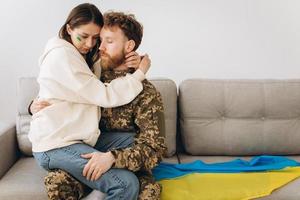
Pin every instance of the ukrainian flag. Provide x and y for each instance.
(234, 180)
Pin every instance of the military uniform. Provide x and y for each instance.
(144, 115)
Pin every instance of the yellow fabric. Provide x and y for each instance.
(231, 186)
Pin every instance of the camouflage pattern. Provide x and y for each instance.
(61, 185)
(145, 116)
(149, 189)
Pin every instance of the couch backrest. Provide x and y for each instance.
(168, 90)
(28, 90)
(240, 117)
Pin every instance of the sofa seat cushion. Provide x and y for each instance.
(290, 191)
(172, 159)
(24, 181)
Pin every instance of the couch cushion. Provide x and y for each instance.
(290, 191)
(240, 117)
(24, 181)
(168, 90)
(28, 90)
(172, 159)
(8, 147)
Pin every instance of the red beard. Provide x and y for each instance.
(109, 62)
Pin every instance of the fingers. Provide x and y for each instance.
(96, 174)
(44, 103)
(86, 169)
(146, 56)
(90, 172)
(132, 64)
(145, 64)
(37, 105)
(146, 59)
(98, 164)
(132, 60)
(87, 155)
(133, 53)
(88, 165)
(99, 174)
(40, 106)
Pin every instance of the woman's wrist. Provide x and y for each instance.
(139, 75)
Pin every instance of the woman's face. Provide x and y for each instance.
(84, 37)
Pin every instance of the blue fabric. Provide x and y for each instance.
(116, 183)
(258, 163)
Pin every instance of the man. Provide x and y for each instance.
(138, 152)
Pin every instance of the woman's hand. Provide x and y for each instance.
(133, 60)
(38, 105)
(145, 64)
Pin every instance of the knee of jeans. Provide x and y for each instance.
(126, 180)
(132, 183)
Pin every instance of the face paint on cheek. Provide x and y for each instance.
(78, 38)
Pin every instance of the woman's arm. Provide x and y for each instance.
(132, 61)
(69, 70)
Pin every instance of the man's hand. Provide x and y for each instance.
(98, 164)
(38, 105)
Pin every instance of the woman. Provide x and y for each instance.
(68, 128)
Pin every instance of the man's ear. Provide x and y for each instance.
(69, 30)
(130, 44)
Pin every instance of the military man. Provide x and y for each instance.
(133, 133)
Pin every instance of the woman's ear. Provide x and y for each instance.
(69, 30)
(130, 44)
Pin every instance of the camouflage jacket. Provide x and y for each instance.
(145, 116)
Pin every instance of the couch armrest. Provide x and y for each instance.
(8, 148)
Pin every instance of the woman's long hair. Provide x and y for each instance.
(81, 15)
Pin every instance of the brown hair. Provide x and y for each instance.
(132, 29)
(80, 15)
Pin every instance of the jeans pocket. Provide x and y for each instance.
(42, 159)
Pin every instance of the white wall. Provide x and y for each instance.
(185, 38)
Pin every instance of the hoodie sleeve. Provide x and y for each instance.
(67, 68)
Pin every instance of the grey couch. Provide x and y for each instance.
(217, 120)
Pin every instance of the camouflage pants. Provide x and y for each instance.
(62, 186)
(149, 189)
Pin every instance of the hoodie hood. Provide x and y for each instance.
(54, 43)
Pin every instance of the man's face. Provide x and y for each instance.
(112, 48)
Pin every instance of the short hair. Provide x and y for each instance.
(132, 29)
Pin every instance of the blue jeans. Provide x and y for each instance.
(116, 183)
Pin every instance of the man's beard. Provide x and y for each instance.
(109, 63)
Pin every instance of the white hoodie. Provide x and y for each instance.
(75, 94)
